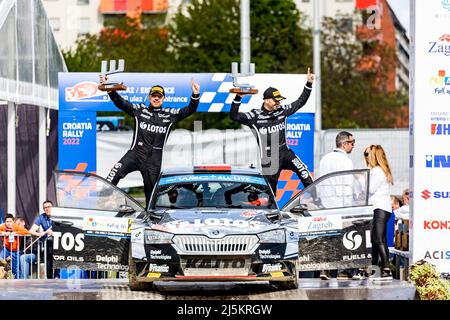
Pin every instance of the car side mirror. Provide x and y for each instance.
(125, 210)
(301, 209)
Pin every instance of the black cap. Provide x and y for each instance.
(157, 90)
(272, 93)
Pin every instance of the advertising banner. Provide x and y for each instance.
(78, 90)
(77, 141)
(430, 133)
(323, 246)
(299, 138)
(103, 246)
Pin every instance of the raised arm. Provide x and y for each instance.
(120, 102)
(301, 101)
(193, 103)
(246, 118)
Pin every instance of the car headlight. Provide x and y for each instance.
(153, 236)
(274, 236)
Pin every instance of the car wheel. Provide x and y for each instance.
(132, 282)
(287, 285)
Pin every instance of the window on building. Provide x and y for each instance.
(83, 2)
(84, 25)
(55, 23)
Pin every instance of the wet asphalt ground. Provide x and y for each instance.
(117, 289)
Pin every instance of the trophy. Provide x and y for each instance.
(111, 86)
(242, 88)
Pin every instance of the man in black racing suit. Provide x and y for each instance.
(269, 126)
(152, 127)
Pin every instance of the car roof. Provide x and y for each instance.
(190, 170)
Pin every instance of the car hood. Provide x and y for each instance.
(215, 222)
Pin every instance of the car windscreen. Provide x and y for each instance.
(213, 190)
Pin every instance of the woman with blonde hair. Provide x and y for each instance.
(379, 196)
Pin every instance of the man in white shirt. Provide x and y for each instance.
(338, 191)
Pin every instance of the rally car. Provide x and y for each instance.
(207, 223)
(213, 223)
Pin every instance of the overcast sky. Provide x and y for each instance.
(401, 9)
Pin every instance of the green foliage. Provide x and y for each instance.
(428, 283)
(144, 48)
(353, 99)
(207, 38)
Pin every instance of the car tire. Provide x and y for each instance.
(132, 282)
(287, 285)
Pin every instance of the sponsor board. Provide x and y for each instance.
(320, 225)
(72, 247)
(429, 118)
(350, 248)
(107, 225)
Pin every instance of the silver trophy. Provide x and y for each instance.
(105, 72)
(242, 88)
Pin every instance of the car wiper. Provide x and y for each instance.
(233, 206)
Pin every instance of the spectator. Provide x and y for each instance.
(44, 222)
(11, 243)
(339, 192)
(379, 196)
(28, 252)
(403, 211)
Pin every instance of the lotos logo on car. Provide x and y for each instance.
(248, 214)
(83, 91)
(352, 240)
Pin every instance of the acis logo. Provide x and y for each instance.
(441, 46)
(440, 129)
(436, 225)
(437, 255)
(437, 161)
(426, 194)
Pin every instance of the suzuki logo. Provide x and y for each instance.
(351, 240)
(426, 194)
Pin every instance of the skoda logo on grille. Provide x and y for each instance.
(215, 232)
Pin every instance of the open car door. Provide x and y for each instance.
(334, 220)
(92, 222)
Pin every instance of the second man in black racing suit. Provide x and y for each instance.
(152, 127)
(269, 126)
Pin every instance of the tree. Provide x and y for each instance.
(144, 48)
(352, 97)
(206, 38)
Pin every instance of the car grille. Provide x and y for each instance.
(242, 244)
